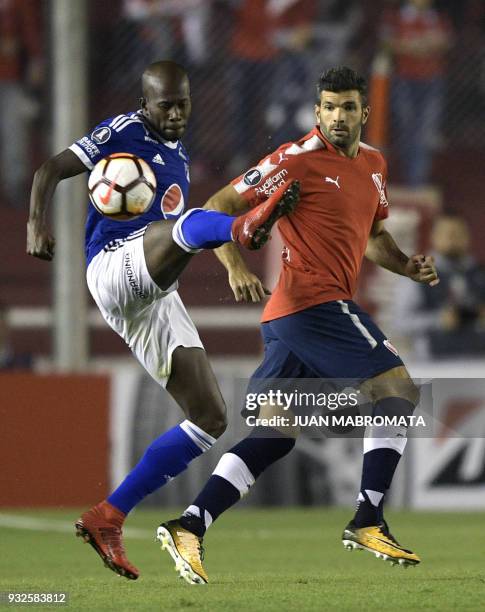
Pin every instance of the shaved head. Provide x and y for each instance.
(162, 75)
(166, 98)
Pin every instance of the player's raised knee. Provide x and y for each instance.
(214, 421)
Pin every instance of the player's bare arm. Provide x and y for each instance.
(40, 242)
(383, 251)
(245, 285)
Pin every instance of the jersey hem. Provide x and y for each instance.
(333, 297)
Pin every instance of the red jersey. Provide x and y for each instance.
(326, 237)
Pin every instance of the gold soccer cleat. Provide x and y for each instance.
(378, 540)
(186, 550)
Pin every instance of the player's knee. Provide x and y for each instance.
(412, 393)
(399, 386)
(214, 420)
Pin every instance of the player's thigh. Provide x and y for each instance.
(395, 382)
(120, 284)
(194, 387)
(164, 259)
(278, 371)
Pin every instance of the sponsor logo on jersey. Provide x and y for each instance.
(252, 177)
(379, 183)
(158, 159)
(391, 348)
(89, 146)
(149, 139)
(101, 135)
(272, 183)
(172, 202)
(329, 179)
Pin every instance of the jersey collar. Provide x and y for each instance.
(327, 144)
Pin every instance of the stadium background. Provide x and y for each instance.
(85, 403)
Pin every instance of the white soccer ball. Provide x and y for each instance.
(122, 186)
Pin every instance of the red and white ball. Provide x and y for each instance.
(122, 186)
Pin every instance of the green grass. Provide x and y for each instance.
(261, 560)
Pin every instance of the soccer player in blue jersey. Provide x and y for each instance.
(132, 271)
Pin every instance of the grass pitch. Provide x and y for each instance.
(257, 560)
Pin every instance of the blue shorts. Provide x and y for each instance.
(335, 340)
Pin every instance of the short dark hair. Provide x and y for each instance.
(340, 79)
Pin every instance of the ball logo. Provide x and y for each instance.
(172, 200)
(101, 135)
(252, 177)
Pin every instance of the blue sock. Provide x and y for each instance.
(202, 229)
(235, 473)
(166, 457)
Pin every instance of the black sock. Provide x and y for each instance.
(234, 475)
(377, 471)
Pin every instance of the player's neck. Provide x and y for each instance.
(351, 151)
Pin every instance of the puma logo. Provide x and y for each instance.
(328, 179)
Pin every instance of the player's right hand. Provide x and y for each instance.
(246, 286)
(40, 242)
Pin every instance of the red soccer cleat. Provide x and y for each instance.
(101, 527)
(253, 229)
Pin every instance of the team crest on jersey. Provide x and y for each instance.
(172, 200)
(101, 135)
(379, 183)
(252, 177)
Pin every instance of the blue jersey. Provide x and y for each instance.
(131, 133)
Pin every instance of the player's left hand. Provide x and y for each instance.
(421, 269)
(40, 242)
(246, 286)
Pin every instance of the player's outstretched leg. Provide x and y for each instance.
(234, 475)
(101, 527)
(201, 228)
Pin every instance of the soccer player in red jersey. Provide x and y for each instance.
(310, 326)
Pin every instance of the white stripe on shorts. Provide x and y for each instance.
(358, 324)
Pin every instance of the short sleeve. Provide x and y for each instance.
(259, 182)
(380, 181)
(102, 141)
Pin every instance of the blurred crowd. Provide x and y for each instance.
(447, 320)
(253, 66)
